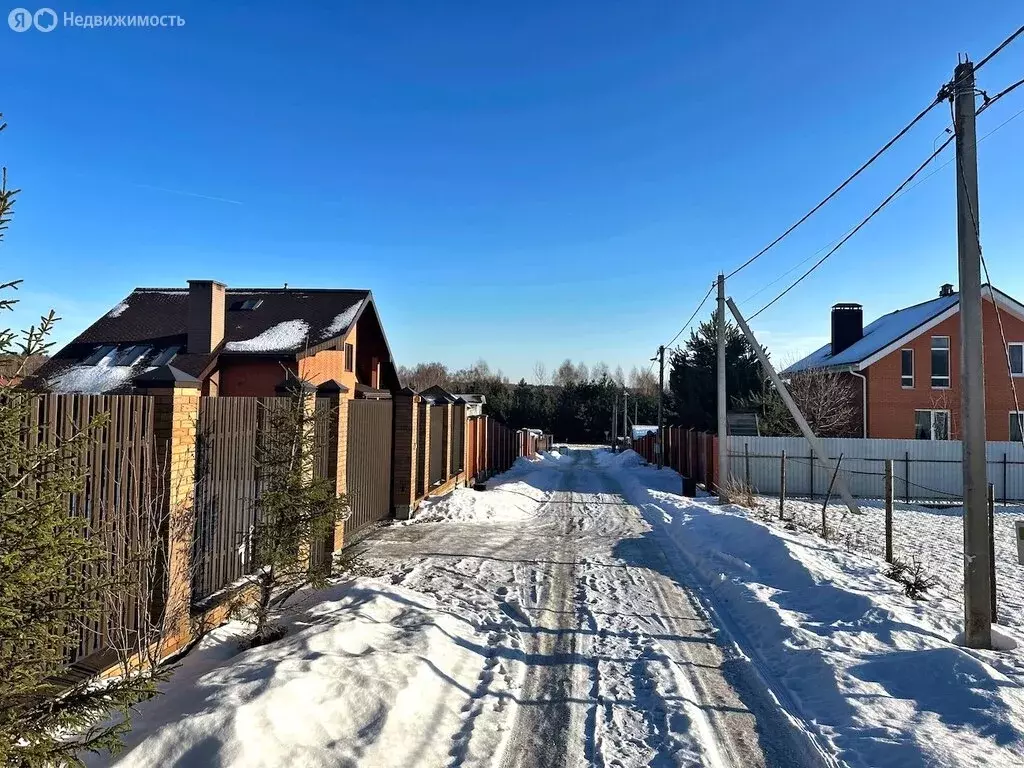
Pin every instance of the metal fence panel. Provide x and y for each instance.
(438, 418)
(226, 485)
(923, 469)
(368, 472)
(458, 438)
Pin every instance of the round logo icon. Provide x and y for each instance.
(20, 20)
(45, 19)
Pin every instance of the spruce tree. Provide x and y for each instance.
(49, 582)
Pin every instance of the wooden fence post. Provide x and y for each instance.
(889, 494)
(992, 546)
(782, 487)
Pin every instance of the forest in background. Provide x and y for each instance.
(575, 402)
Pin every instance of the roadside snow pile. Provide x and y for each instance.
(623, 460)
(932, 537)
(872, 674)
(368, 674)
(513, 495)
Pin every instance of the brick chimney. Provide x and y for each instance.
(847, 326)
(205, 315)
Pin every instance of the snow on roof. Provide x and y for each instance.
(118, 310)
(341, 323)
(283, 337)
(639, 430)
(471, 398)
(94, 379)
(878, 335)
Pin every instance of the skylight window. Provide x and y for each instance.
(130, 355)
(98, 354)
(246, 306)
(165, 356)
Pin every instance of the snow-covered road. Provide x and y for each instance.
(605, 659)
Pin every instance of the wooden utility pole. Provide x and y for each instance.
(723, 438)
(660, 442)
(817, 449)
(977, 587)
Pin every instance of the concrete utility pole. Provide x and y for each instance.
(661, 398)
(977, 587)
(625, 415)
(723, 438)
(615, 423)
(816, 445)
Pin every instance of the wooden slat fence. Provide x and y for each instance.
(119, 497)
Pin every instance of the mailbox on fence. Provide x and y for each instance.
(1020, 541)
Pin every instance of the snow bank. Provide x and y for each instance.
(871, 673)
(512, 495)
(932, 537)
(283, 337)
(368, 674)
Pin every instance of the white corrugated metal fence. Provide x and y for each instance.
(923, 469)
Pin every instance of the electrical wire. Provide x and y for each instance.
(857, 228)
(840, 188)
(687, 323)
(939, 97)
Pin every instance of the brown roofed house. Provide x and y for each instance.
(235, 341)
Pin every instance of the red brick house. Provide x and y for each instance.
(906, 365)
(235, 341)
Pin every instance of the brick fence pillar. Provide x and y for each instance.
(337, 394)
(176, 399)
(405, 450)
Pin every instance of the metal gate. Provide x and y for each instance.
(369, 463)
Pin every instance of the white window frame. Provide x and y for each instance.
(931, 422)
(1009, 358)
(1019, 415)
(913, 371)
(949, 363)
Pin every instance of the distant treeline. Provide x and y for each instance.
(575, 403)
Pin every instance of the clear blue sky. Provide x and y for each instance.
(514, 181)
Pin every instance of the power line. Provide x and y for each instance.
(856, 229)
(939, 97)
(998, 48)
(687, 323)
(840, 188)
(896, 193)
(946, 164)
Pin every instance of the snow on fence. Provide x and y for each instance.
(924, 470)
